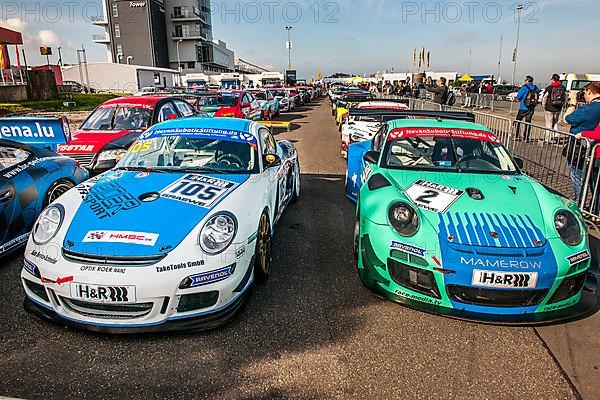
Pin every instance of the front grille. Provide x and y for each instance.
(107, 311)
(85, 160)
(496, 297)
(37, 289)
(94, 259)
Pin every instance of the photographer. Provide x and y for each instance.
(585, 117)
(440, 92)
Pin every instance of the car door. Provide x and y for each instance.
(272, 174)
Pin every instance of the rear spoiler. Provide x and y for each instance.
(388, 115)
(45, 132)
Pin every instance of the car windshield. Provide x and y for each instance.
(198, 154)
(280, 93)
(227, 100)
(448, 153)
(118, 118)
(260, 95)
(11, 156)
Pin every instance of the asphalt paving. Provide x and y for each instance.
(310, 332)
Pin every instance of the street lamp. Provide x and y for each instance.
(179, 60)
(519, 9)
(289, 46)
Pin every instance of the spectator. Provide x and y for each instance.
(553, 101)
(594, 136)
(440, 92)
(581, 118)
(528, 97)
(415, 91)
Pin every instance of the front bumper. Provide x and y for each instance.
(166, 296)
(415, 284)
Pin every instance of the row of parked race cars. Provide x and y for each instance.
(176, 233)
(156, 214)
(436, 223)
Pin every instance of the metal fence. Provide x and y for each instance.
(555, 158)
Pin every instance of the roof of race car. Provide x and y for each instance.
(438, 127)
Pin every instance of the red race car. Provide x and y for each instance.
(111, 128)
(239, 104)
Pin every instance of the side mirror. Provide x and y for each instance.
(271, 160)
(245, 105)
(372, 156)
(172, 116)
(519, 162)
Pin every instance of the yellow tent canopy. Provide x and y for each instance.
(465, 78)
(357, 79)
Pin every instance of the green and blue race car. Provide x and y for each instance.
(447, 222)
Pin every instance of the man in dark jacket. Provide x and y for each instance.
(527, 107)
(554, 99)
(440, 92)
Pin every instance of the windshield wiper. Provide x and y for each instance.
(209, 170)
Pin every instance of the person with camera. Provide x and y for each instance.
(440, 92)
(584, 117)
(528, 97)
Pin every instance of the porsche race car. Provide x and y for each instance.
(446, 222)
(172, 238)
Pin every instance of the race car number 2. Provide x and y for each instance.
(199, 190)
(433, 196)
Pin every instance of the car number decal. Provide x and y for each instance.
(198, 190)
(515, 280)
(432, 196)
(103, 294)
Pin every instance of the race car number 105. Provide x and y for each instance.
(199, 190)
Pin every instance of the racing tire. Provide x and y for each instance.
(263, 256)
(56, 190)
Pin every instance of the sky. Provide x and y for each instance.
(357, 36)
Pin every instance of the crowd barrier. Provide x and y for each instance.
(555, 158)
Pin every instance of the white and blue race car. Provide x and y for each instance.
(172, 238)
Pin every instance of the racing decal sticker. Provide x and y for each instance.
(433, 196)
(59, 280)
(407, 248)
(211, 277)
(100, 268)
(208, 133)
(578, 258)
(107, 199)
(103, 294)
(69, 148)
(30, 267)
(400, 133)
(44, 257)
(493, 279)
(495, 262)
(142, 238)
(198, 190)
(183, 265)
(20, 168)
(14, 242)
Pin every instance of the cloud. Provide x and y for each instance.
(460, 37)
(47, 37)
(16, 24)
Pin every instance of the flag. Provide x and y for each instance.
(428, 59)
(415, 56)
(4, 60)
(18, 57)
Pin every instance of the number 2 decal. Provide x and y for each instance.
(427, 196)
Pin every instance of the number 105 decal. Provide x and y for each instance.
(199, 190)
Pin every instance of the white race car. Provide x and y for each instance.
(172, 238)
(360, 128)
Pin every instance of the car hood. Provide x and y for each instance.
(501, 219)
(112, 218)
(94, 141)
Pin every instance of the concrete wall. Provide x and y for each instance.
(13, 93)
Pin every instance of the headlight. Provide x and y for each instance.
(47, 224)
(217, 233)
(110, 154)
(568, 227)
(404, 219)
